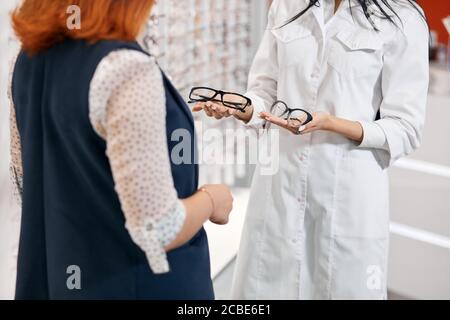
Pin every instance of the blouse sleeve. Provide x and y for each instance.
(127, 109)
(16, 170)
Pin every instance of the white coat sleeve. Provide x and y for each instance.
(405, 79)
(263, 76)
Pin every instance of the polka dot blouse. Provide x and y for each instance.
(127, 109)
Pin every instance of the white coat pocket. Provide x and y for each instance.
(356, 53)
(294, 43)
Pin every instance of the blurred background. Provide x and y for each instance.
(212, 42)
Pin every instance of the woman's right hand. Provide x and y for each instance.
(219, 111)
(222, 202)
(213, 202)
(213, 109)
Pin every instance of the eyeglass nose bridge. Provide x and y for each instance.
(221, 92)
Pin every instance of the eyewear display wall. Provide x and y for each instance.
(204, 43)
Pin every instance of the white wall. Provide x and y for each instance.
(419, 261)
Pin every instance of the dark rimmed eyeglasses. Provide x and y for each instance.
(228, 99)
(296, 118)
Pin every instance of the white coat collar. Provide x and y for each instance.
(350, 9)
(318, 13)
(352, 12)
(345, 11)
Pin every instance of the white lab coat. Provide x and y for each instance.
(319, 227)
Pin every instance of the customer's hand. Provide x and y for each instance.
(222, 202)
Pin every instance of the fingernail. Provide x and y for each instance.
(302, 128)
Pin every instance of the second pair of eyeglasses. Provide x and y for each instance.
(295, 117)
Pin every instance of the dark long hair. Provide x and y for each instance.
(384, 7)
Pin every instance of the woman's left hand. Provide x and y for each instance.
(321, 121)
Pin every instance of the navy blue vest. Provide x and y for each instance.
(71, 213)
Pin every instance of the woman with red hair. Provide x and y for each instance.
(92, 118)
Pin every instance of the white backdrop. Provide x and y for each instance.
(8, 211)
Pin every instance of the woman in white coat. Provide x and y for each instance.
(319, 227)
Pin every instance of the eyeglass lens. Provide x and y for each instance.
(295, 117)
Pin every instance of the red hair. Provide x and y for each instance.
(40, 24)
